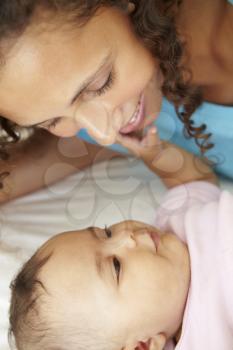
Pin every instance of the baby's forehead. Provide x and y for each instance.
(71, 276)
(71, 259)
(66, 239)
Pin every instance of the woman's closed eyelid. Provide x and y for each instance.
(99, 81)
(104, 88)
(109, 81)
(50, 123)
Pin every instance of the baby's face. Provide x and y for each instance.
(128, 282)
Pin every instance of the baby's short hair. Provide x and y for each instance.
(27, 329)
(32, 329)
(30, 326)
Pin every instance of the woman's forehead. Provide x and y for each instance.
(40, 65)
(99, 29)
(46, 75)
(35, 51)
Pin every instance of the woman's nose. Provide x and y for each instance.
(99, 121)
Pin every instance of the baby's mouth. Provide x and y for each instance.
(133, 125)
(155, 238)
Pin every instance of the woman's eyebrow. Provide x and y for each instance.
(91, 77)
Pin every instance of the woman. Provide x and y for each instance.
(104, 66)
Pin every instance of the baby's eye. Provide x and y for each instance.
(117, 267)
(108, 232)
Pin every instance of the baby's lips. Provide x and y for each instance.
(156, 239)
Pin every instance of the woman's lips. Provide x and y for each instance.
(137, 118)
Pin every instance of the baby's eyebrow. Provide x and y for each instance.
(98, 257)
(92, 231)
(98, 264)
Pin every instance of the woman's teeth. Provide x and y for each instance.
(135, 120)
(134, 117)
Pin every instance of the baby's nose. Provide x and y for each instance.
(124, 239)
(129, 239)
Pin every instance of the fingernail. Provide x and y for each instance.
(153, 130)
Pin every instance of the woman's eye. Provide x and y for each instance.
(108, 232)
(117, 267)
(105, 87)
(52, 124)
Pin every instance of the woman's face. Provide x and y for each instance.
(99, 77)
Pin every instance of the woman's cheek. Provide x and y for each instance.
(65, 129)
(101, 124)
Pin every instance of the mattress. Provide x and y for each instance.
(104, 194)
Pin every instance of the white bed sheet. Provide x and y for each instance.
(102, 195)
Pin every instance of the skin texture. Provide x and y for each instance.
(207, 28)
(118, 282)
(43, 72)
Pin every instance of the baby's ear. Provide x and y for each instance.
(156, 343)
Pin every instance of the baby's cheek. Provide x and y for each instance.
(142, 274)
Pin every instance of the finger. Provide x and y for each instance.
(131, 143)
(151, 138)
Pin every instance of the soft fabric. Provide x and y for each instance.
(219, 121)
(202, 216)
(106, 193)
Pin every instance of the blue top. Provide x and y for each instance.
(219, 121)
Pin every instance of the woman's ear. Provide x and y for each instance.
(130, 7)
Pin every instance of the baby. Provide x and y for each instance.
(131, 285)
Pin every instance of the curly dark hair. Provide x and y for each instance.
(154, 22)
